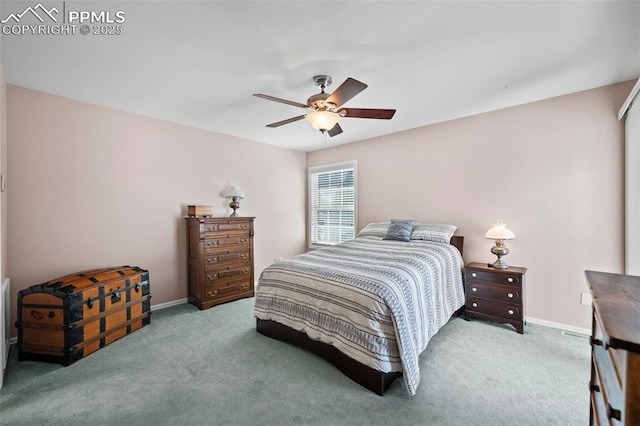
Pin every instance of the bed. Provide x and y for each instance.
(369, 306)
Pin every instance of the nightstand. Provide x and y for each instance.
(495, 294)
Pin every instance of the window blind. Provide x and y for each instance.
(332, 203)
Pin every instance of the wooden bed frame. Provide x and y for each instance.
(372, 379)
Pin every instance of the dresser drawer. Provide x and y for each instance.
(211, 244)
(220, 257)
(598, 405)
(503, 310)
(220, 272)
(507, 294)
(491, 276)
(228, 287)
(212, 230)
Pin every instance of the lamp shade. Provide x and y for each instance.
(500, 232)
(235, 191)
(323, 120)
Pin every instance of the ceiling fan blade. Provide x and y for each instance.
(335, 130)
(381, 114)
(287, 121)
(282, 101)
(346, 91)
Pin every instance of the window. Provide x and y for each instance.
(332, 203)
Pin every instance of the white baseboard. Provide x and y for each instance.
(168, 304)
(579, 330)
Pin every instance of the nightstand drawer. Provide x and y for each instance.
(500, 293)
(494, 277)
(503, 310)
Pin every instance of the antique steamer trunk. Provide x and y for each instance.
(66, 319)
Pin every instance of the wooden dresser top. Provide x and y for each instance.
(616, 299)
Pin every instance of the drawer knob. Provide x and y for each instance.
(510, 279)
(209, 260)
(212, 243)
(473, 274)
(213, 293)
(244, 226)
(244, 271)
(211, 277)
(612, 413)
(474, 289)
(245, 286)
(228, 267)
(510, 295)
(244, 256)
(510, 311)
(474, 304)
(243, 240)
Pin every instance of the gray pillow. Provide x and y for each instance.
(400, 230)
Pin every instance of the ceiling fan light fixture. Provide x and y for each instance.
(323, 120)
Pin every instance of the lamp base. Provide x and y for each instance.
(235, 205)
(498, 264)
(500, 249)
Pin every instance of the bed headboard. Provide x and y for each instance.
(458, 242)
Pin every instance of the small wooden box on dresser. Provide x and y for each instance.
(615, 349)
(220, 259)
(495, 294)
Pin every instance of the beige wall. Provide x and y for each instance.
(553, 170)
(3, 169)
(94, 187)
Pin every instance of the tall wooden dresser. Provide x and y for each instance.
(615, 349)
(220, 259)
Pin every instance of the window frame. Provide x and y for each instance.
(328, 168)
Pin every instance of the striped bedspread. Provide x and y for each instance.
(379, 302)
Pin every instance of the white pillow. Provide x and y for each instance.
(439, 233)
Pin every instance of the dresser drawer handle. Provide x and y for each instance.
(243, 240)
(244, 256)
(510, 295)
(210, 260)
(211, 277)
(510, 311)
(612, 413)
(228, 267)
(244, 271)
(473, 274)
(244, 226)
(212, 243)
(474, 304)
(245, 286)
(474, 289)
(213, 293)
(510, 279)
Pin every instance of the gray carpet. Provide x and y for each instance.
(193, 367)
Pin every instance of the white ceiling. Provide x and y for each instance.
(198, 63)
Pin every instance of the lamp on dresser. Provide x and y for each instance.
(499, 233)
(234, 194)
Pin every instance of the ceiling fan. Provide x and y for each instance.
(326, 109)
